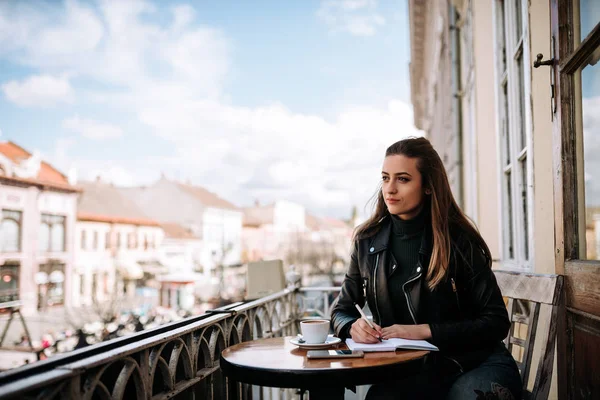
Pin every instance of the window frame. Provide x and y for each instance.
(83, 239)
(51, 220)
(467, 92)
(19, 223)
(517, 109)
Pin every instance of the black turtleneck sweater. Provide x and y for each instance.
(405, 243)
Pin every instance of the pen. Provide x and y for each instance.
(363, 316)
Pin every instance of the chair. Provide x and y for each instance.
(264, 278)
(526, 293)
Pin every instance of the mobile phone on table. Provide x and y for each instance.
(335, 354)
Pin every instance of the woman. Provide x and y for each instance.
(425, 272)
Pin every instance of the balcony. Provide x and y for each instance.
(178, 360)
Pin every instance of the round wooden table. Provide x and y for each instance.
(275, 362)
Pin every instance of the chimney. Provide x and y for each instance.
(72, 176)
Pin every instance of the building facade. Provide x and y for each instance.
(215, 221)
(37, 231)
(116, 246)
(181, 252)
(270, 231)
(522, 82)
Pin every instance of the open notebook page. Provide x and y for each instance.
(391, 345)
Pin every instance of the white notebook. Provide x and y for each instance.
(391, 345)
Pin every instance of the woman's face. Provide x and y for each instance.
(402, 186)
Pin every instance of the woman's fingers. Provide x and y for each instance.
(362, 332)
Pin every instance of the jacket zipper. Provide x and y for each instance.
(455, 294)
(457, 363)
(375, 288)
(410, 309)
(458, 304)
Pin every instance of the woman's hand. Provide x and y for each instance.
(361, 332)
(406, 332)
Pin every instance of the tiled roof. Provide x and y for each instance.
(105, 203)
(177, 231)
(82, 216)
(207, 198)
(47, 174)
(259, 215)
(324, 223)
(311, 222)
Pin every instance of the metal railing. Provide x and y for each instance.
(316, 302)
(177, 360)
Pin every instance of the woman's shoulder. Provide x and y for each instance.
(366, 235)
(469, 249)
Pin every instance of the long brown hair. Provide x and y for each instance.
(444, 211)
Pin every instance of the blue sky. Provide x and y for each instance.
(262, 100)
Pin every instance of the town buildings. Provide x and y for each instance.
(37, 232)
(181, 251)
(117, 246)
(204, 216)
(271, 231)
(520, 141)
(284, 230)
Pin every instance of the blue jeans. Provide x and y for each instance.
(498, 374)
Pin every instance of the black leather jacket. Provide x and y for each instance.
(466, 312)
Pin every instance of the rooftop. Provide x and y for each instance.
(206, 197)
(177, 231)
(103, 202)
(46, 175)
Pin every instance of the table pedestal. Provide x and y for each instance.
(326, 394)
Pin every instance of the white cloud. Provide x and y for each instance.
(358, 17)
(39, 90)
(92, 129)
(272, 152)
(171, 78)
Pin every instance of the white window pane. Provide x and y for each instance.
(10, 236)
(508, 217)
(521, 102)
(44, 237)
(505, 126)
(518, 20)
(57, 241)
(501, 37)
(525, 216)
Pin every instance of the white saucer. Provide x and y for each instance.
(331, 340)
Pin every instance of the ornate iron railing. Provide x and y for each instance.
(177, 360)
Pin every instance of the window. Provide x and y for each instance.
(467, 93)
(10, 233)
(52, 233)
(83, 239)
(9, 282)
(587, 91)
(131, 240)
(107, 241)
(512, 71)
(119, 240)
(51, 279)
(95, 240)
(82, 284)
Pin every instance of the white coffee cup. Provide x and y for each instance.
(314, 331)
